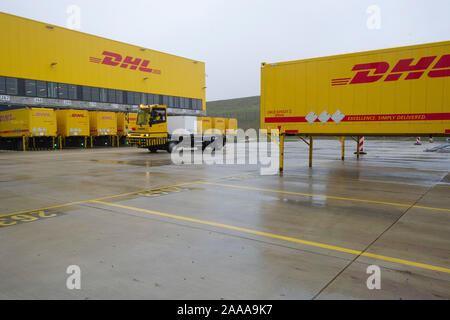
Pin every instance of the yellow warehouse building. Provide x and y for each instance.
(49, 66)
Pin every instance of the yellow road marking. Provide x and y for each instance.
(322, 196)
(280, 237)
(113, 196)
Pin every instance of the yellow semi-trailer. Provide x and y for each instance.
(103, 124)
(18, 125)
(73, 123)
(391, 92)
(231, 125)
(73, 127)
(44, 64)
(398, 91)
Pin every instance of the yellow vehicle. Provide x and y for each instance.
(155, 131)
(151, 129)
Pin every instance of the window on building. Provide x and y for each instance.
(52, 90)
(111, 95)
(130, 97)
(30, 88)
(12, 86)
(137, 98)
(181, 102)
(72, 92)
(103, 95)
(160, 99)
(63, 91)
(41, 89)
(2, 85)
(165, 100)
(149, 99)
(144, 98)
(95, 94)
(119, 96)
(87, 96)
(171, 103)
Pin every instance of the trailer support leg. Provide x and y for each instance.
(85, 142)
(23, 144)
(281, 153)
(357, 147)
(343, 149)
(53, 143)
(118, 141)
(310, 150)
(91, 141)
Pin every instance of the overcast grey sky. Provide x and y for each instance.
(234, 36)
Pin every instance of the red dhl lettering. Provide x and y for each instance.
(116, 60)
(39, 114)
(7, 117)
(374, 71)
(77, 115)
(107, 118)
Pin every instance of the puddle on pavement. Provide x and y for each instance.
(139, 163)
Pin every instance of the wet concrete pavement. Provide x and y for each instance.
(155, 230)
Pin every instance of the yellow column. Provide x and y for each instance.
(310, 150)
(281, 153)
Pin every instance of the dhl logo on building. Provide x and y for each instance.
(116, 60)
(374, 71)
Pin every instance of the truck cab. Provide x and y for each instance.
(151, 128)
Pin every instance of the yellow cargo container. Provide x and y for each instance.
(218, 125)
(204, 124)
(28, 122)
(102, 123)
(231, 125)
(72, 123)
(130, 122)
(398, 91)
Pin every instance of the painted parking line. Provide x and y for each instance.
(72, 203)
(281, 237)
(322, 196)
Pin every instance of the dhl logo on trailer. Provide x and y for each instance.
(102, 123)
(73, 122)
(28, 122)
(399, 91)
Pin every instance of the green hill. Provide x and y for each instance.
(246, 110)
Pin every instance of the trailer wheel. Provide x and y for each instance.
(153, 149)
(171, 146)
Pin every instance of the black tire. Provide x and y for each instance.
(153, 149)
